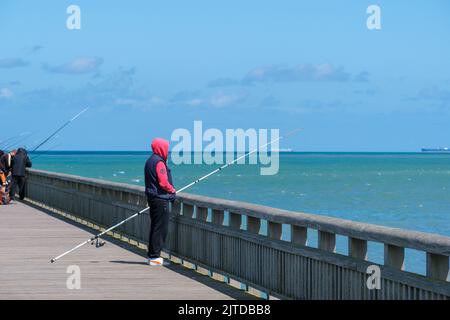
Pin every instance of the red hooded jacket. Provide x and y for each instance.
(161, 148)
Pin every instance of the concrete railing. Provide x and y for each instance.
(245, 242)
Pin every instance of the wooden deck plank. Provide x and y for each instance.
(29, 238)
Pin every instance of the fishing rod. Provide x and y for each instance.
(4, 144)
(44, 152)
(99, 243)
(9, 139)
(16, 142)
(59, 129)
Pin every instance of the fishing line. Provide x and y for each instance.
(96, 238)
(59, 129)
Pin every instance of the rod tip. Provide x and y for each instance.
(53, 260)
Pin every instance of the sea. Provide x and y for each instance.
(402, 190)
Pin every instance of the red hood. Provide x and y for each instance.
(160, 147)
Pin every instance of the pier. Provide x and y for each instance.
(29, 236)
(219, 249)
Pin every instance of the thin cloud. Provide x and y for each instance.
(81, 65)
(223, 82)
(433, 93)
(34, 49)
(362, 77)
(5, 93)
(9, 63)
(310, 106)
(142, 103)
(436, 95)
(187, 98)
(269, 101)
(197, 98)
(299, 73)
(221, 99)
(14, 83)
(106, 92)
(368, 92)
(183, 96)
(302, 72)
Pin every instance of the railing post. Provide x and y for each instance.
(394, 256)
(125, 197)
(274, 230)
(134, 199)
(143, 201)
(437, 266)
(235, 220)
(299, 235)
(327, 241)
(357, 248)
(217, 217)
(253, 224)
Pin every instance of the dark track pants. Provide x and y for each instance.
(159, 226)
(17, 182)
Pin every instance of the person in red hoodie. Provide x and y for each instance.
(159, 190)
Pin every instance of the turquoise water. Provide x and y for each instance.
(405, 190)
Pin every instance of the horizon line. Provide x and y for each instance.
(282, 151)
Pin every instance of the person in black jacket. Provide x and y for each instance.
(159, 190)
(19, 163)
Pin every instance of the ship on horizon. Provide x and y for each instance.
(282, 150)
(436, 150)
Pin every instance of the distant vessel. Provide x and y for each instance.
(282, 150)
(436, 150)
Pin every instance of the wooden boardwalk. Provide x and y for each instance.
(29, 238)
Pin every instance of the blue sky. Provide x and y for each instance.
(146, 68)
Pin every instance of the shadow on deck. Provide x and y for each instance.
(30, 236)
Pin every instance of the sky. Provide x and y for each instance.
(146, 68)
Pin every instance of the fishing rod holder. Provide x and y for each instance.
(98, 243)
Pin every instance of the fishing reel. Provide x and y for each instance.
(98, 243)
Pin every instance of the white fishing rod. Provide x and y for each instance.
(59, 129)
(7, 143)
(97, 237)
